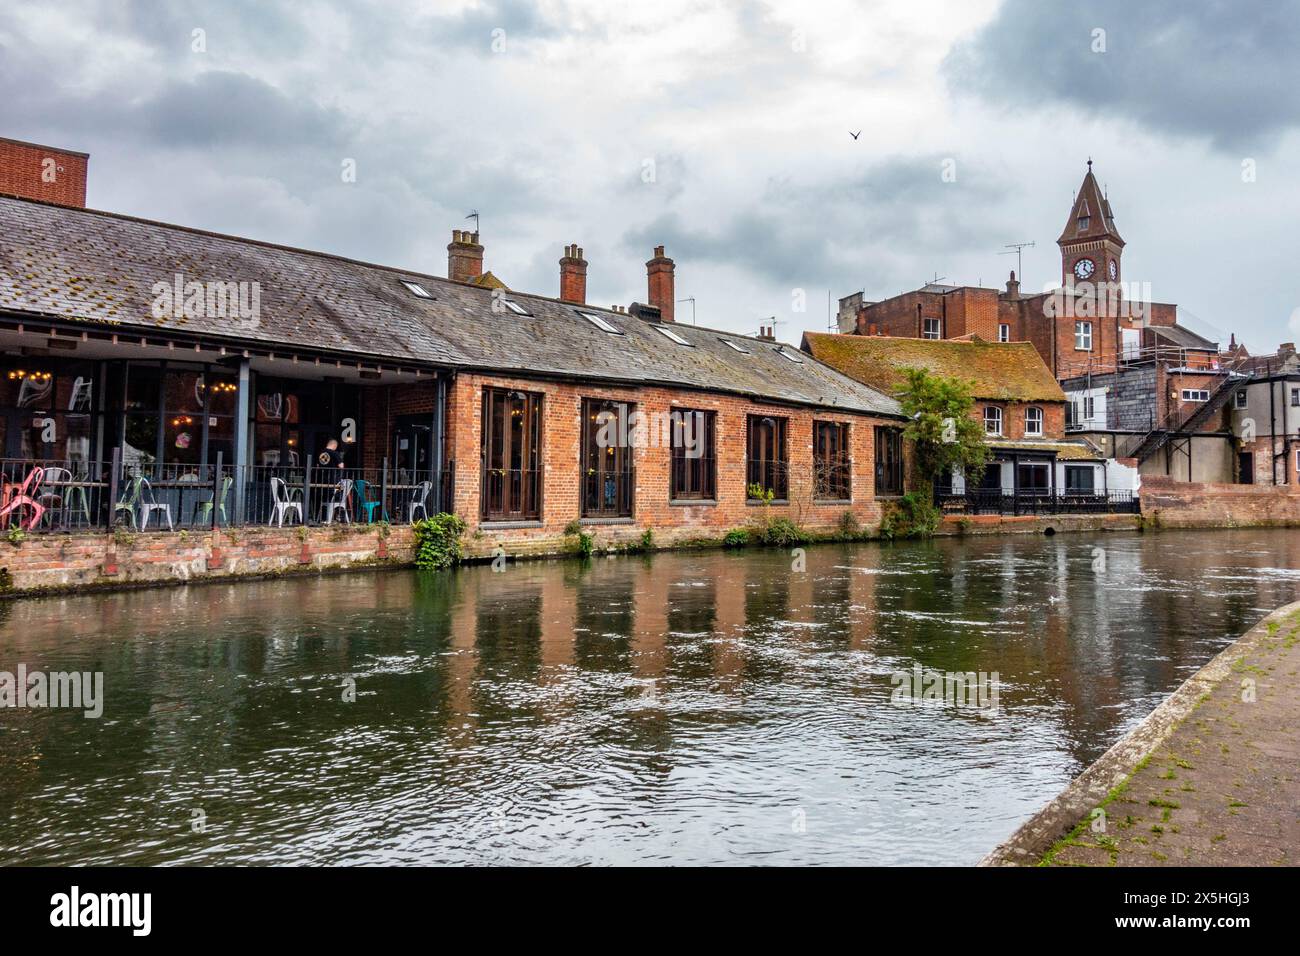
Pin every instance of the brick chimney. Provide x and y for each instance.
(39, 172)
(573, 276)
(767, 333)
(659, 274)
(1013, 286)
(464, 256)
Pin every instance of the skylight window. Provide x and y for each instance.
(515, 307)
(735, 345)
(599, 322)
(669, 333)
(789, 356)
(416, 289)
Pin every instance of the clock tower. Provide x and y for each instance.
(1090, 244)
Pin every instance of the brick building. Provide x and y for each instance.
(134, 348)
(1017, 401)
(1134, 378)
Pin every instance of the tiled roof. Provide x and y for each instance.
(1064, 450)
(84, 265)
(1091, 204)
(1000, 371)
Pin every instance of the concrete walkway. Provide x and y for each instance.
(1210, 778)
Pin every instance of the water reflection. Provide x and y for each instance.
(710, 707)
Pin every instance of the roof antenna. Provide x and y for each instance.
(691, 300)
(473, 214)
(1016, 247)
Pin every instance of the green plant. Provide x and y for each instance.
(16, 534)
(781, 533)
(383, 528)
(848, 529)
(736, 538)
(122, 537)
(944, 436)
(648, 539)
(437, 541)
(911, 516)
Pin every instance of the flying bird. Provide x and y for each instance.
(855, 135)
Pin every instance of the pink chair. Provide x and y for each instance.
(26, 495)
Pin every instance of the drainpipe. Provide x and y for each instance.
(241, 440)
(439, 426)
(1272, 425)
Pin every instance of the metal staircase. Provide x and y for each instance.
(1161, 435)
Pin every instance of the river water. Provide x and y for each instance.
(705, 707)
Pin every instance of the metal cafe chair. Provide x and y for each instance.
(203, 509)
(419, 500)
(285, 500)
(51, 497)
(25, 496)
(149, 504)
(369, 505)
(339, 501)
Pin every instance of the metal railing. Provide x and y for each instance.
(45, 496)
(985, 501)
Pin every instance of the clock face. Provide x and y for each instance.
(1083, 268)
(1114, 270)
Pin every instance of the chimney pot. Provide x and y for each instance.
(464, 256)
(573, 275)
(660, 279)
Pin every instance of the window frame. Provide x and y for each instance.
(832, 461)
(1186, 395)
(993, 413)
(600, 322)
(776, 467)
(693, 480)
(1037, 432)
(416, 289)
(672, 336)
(925, 328)
(1241, 400)
(1082, 333)
(517, 493)
(1004, 332)
(597, 470)
(889, 466)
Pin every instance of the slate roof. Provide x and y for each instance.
(1080, 450)
(1184, 337)
(998, 371)
(86, 265)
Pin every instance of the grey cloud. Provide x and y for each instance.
(1226, 71)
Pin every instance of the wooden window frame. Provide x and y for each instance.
(694, 479)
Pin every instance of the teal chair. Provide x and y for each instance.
(363, 488)
(130, 500)
(203, 510)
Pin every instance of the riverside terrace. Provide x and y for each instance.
(117, 407)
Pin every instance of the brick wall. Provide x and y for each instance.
(381, 406)
(1173, 504)
(561, 449)
(1013, 417)
(37, 172)
(89, 560)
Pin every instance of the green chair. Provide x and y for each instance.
(130, 499)
(362, 488)
(203, 510)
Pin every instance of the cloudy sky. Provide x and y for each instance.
(719, 129)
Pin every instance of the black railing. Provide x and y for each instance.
(42, 496)
(608, 494)
(511, 494)
(984, 501)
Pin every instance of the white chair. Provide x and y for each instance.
(285, 500)
(150, 504)
(339, 501)
(419, 499)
